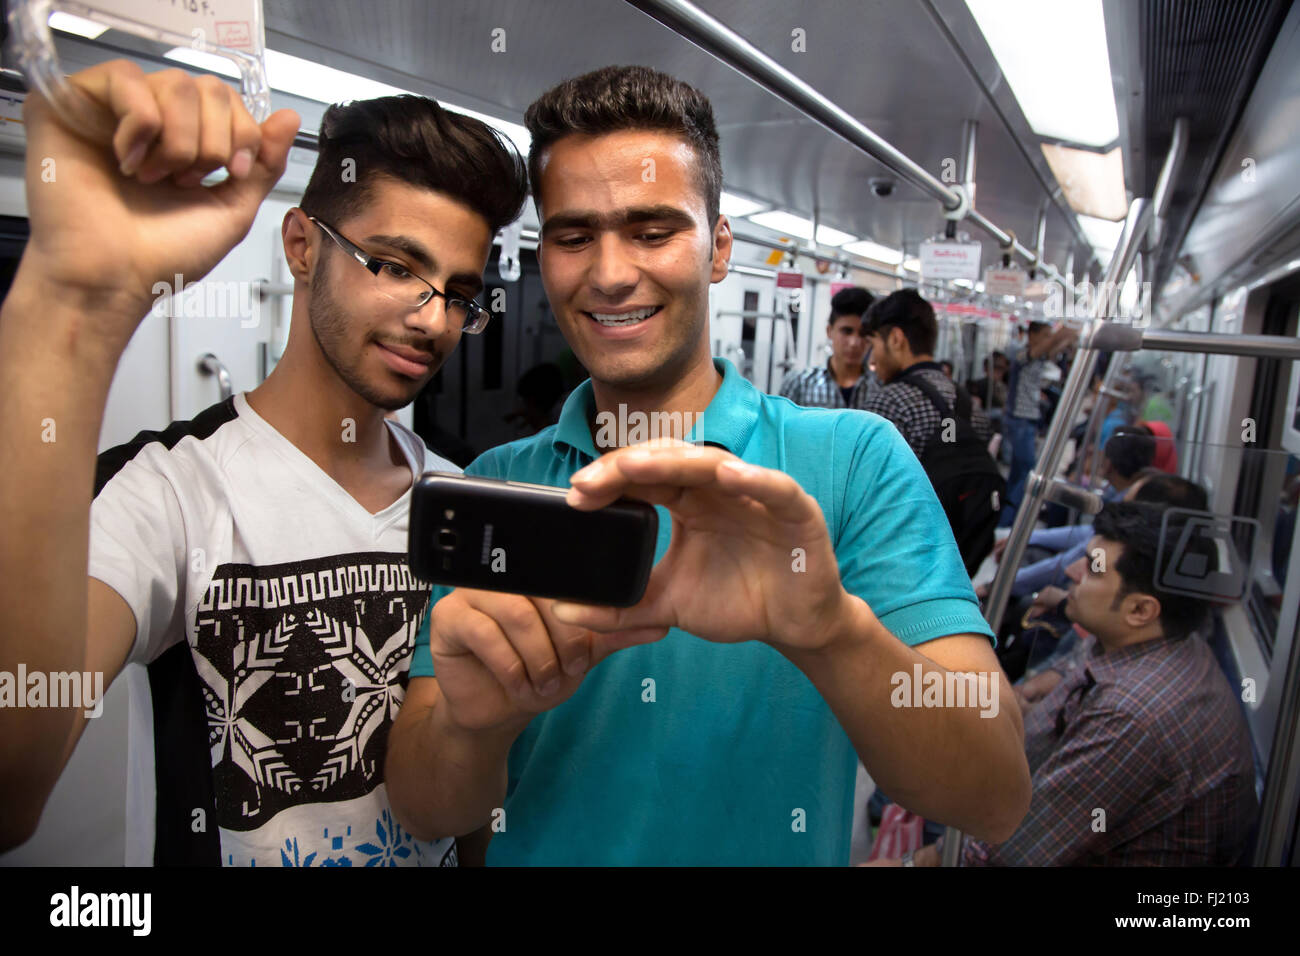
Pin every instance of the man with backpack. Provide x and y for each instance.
(936, 418)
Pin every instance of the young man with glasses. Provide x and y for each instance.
(253, 558)
(719, 721)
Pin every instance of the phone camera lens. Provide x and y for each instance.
(447, 539)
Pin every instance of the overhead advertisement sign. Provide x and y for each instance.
(950, 260)
(789, 279)
(1005, 282)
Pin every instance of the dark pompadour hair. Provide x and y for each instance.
(1136, 527)
(911, 313)
(413, 140)
(619, 98)
(854, 300)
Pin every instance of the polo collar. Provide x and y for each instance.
(727, 422)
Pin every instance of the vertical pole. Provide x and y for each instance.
(1039, 479)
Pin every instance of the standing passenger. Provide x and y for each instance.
(844, 381)
(1024, 412)
(254, 558)
(721, 719)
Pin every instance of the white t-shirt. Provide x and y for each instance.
(275, 621)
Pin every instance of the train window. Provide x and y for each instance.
(1269, 479)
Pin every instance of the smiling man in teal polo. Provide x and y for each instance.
(804, 570)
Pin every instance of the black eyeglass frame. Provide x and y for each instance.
(476, 317)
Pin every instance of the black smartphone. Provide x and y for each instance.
(526, 539)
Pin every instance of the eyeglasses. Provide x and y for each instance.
(401, 285)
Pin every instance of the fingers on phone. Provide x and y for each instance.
(521, 624)
(573, 648)
(484, 638)
(777, 491)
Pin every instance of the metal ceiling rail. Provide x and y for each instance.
(720, 41)
(943, 285)
(842, 260)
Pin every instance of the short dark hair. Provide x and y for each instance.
(1130, 449)
(1037, 327)
(413, 140)
(854, 300)
(1136, 528)
(910, 313)
(619, 98)
(1160, 488)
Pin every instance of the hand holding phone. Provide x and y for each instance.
(501, 659)
(526, 539)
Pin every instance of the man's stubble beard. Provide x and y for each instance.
(329, 326)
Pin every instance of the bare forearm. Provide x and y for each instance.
(443, 781)
(54, 380)
(947, 763)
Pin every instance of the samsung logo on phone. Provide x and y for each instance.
(487, 544)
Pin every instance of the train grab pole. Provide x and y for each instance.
(1076, 387)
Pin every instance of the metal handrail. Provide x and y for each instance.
(841, 260)
(720, 41)
(209, 364)
(716, 38)
(1067, 409)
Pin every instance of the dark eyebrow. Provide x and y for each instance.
(410, 247)
(471, 283)
(624, 217)
(467, 281)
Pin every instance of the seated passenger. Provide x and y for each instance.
(1025, 643)
(1126, 411)
(1126, 462)
(1140, 753)
(844, 381)
(1166, 458)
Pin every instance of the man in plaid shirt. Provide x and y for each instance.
(902, 331)
(844, 381)
(1140, 753)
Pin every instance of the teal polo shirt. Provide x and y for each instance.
(689, 752)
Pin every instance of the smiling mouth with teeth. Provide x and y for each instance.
(624, 318)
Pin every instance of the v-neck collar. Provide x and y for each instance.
(312, 472)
